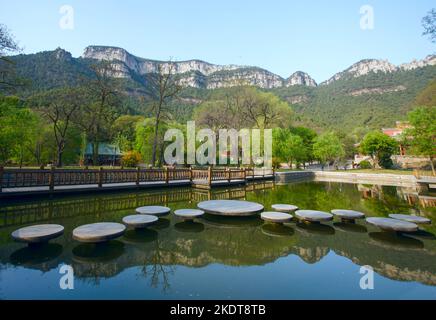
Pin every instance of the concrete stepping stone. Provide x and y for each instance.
(153, 210)
(348, 215)
(410, 218)
(98, 232)
(284, 207)
(389, 224)
(313, 215)
(139, 220)
(189, 214)
(230, 207)
(39, 233)
(276, 217)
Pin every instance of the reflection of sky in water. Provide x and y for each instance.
(220, 258)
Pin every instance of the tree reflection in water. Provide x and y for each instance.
(154, 252)
(156, 269)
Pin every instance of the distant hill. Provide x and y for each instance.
(371, 93)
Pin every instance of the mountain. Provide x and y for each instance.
(370, 93)
(300, 78)
(196, 73)
(367, 66)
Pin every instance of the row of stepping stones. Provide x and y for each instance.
(395, 222)
(105, 231)
(101, 231)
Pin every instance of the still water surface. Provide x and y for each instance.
(219, 257)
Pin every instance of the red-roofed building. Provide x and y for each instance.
(397, 132)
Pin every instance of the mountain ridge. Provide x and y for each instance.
(359, 68)
(369, 93)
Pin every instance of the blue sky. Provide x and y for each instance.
(318, 37)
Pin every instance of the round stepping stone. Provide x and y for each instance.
(188, 214)
(284, 207)
(38, 233)
(276, 217)
(313, 215)
(348, 215)
(410, 218)
(98, 232)
(230, 207)
(153, 210)
(390, 224)
(139, 220)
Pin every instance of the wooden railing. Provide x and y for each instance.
(53, 177)
(27, 212)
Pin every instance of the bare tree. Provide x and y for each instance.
(100, 110)
(429, 24)
(8, 45)
(164, 87)
(59, 107)
(264, 109)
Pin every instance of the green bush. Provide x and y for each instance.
(365, 164)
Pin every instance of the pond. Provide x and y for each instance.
(223, 257)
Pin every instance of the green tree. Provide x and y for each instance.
(423, 132)
(327, 148)
(379, 146)
(124, 129)
(243, 107)
(308, 135)
(16, 123)
(348, 142)
(145, 135)
(288, 147)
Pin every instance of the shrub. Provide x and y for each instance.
(276, 162)
(131, 159)
(385, 161)
(365, 164)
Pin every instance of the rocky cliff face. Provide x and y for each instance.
(196, 73)
(201, 74)
(300, 78)
(366, 66)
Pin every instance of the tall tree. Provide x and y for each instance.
(327, 148)
(163, 88)
(16, 123)
(102, 105)
(288, 147)
(380, 147)
(308, 135)
(264, 109)
(8, 45)
(124, 128)
(59, 107)
(423, 132)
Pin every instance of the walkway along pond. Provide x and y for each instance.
(19, 182)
